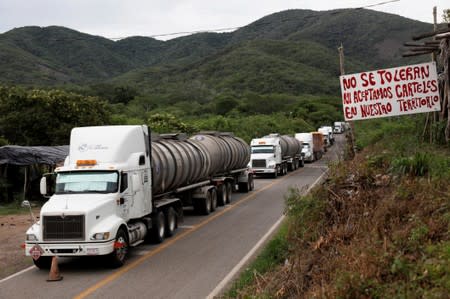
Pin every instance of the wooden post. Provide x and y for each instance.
(352, 126)
(25, 183)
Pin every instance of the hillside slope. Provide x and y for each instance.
(56, 55)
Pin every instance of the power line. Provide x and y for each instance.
(235, 28)
(217, 29)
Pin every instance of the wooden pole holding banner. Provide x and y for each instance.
(352, 127)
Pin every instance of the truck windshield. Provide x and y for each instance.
(305, 145)
(262, 149)
(87, 182)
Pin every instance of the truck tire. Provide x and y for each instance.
(213, 195)
(275, 174)
(222, 195)
(171, 222)
(117, 258)
(251, 182)
(228, 191)
(244, 187)
(204, 205)
(159, 227)
(43, 262)
(302, 163)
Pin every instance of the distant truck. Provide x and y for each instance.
(339, 127)
(312, 145)
(328, 133)
(120, 187)
(275, 155)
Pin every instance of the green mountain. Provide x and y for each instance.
(292, 51)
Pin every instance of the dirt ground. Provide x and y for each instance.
(12, 236)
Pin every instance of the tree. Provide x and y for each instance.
(167, 123)
(40, 117)
(446, 15)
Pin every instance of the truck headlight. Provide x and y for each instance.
(31, 237)
(100, 236)
(271, 165)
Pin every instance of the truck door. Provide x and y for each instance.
(125, 196)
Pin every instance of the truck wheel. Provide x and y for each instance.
(43, 262)
(228, 191)
(171, 222)
(243, 187)
(205, 205)
(221, 195)
(117, 257)
(159, 227)
(302, 163)
(275, 174)
(251, 183)
(213, 195)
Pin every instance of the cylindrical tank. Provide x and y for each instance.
(226, 151)
(178, 162)
(290, 146)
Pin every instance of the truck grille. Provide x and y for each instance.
(259, 163)
(70, 227)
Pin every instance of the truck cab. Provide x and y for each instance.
(266, 156)
(101, 200)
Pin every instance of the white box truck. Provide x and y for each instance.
(275, 155)
(119, 187)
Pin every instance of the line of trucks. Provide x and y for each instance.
(121, 186)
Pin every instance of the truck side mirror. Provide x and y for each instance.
(43, 186)
(46, 186)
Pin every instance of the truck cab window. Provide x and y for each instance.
(124, 182)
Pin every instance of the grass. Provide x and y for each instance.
(12, 208)
(378, 227)
(16, 208)
(273, 254)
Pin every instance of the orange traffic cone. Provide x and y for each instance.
(54, 271)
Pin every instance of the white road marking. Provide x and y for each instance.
(16, 274)
(218, 289)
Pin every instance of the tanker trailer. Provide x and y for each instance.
(292, 149)
(119, 187)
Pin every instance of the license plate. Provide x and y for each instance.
(36, 251)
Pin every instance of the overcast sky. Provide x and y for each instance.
(118, 19)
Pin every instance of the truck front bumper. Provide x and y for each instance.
(69, 249)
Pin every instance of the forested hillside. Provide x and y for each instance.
(277, 74)
(56, 55)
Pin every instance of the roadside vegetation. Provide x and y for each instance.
(378, 227)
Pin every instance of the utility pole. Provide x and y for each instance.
(352, 126)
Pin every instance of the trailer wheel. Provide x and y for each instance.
(228, 191)
(213, 195)
(43, 262)
(204, 204)
(117, 257)
(171, 222)
(222, 194)
(159, 227)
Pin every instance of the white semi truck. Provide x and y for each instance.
(120, 187)
(275, 155)
(339, 127)
(327, 132)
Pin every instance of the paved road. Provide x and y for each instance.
(191, 263)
